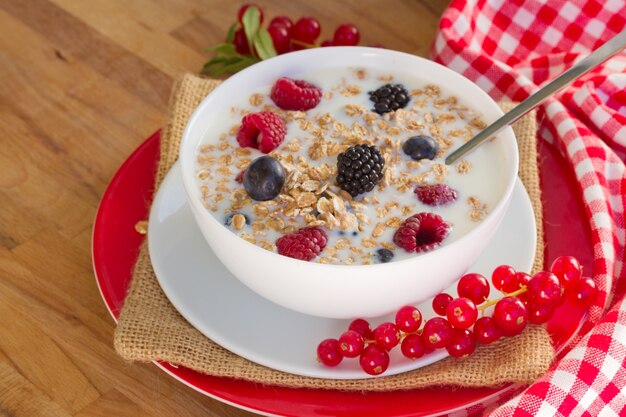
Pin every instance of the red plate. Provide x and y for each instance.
(115, 248)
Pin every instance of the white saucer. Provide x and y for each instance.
(226, 311)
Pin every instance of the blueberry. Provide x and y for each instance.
(421, 147)
(264, 178)
(229, 218)
(384, 255)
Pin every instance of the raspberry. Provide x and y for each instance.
(435, 195)
(422, 232)
(264, 131)
(304, 244)
(291, 94)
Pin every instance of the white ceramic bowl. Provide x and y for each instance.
(342, 291)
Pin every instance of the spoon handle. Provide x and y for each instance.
(597, 57)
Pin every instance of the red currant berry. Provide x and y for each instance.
(473, 286)
(241, 42)
(544, 288)
(539, 314)
(462, 343)
(437, 332)
(328, 352)
(408, 319)
(280, 38)
(387, 335)
(523, 278)
(412, 346)
(306, 29)
(326, 43)
(462, 313)
(510, 315)
(374, 360)
(363, 328)
(346, 35)
(440, 303)
(283, 21)
(242, 11)
(486, 330)
(583, 292)
(351, 344)
(567, 269)
(504, 279)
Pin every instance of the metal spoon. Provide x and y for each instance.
(597, 57)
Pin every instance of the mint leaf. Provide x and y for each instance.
(231, 33)
(263, 44)
(251, 21)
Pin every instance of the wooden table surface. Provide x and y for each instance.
(82, 84)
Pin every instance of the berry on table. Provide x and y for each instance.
(264, 131)
(408, 319)
(538, 314)
(421, 147)
(462, 343)
(510, 315)
(359, 169)
(241, 42)
(387, 335)
(583, 292)
(306, 30)
(362, 327)
(351, 344)
(567, 269)
(384, 255)
(389, 98)
(544, 288)
(280, 38)
(473, 286)
(264, 178)
(328, 352)
(462, 313)
(374, 360)
(412, 346)
(346, 35)
(422, 232)
(486, 330)
(281, 21)
(326, 43)
(304, 244)
(437, 332)
(245, 7)
(504, 279)
(522, 278)
(441, 302)
(291, 94)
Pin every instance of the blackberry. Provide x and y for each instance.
(359, 169)
(389, 97)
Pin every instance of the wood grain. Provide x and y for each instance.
(82, 84)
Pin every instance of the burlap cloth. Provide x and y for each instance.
(150, 328)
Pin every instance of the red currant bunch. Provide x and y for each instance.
(248, 41)
(458, 327)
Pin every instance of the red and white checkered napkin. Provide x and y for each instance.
(510, 48)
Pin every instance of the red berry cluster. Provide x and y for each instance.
(525, 299)
(248, 41)
(288, 36)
